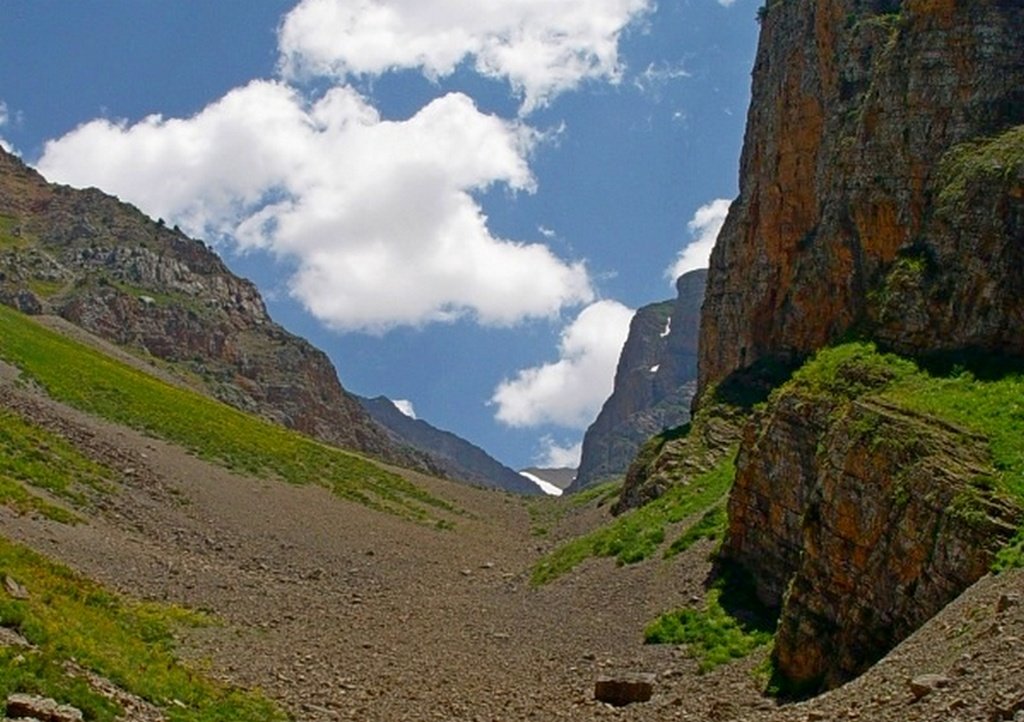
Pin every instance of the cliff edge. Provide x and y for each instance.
(875, 258)
(881, 185)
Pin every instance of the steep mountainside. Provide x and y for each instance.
(882, 198)
(868, 495)
(102, 265)
(451, 454)
(881, 183)
(654, 383)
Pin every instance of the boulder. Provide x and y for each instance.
(622, 691)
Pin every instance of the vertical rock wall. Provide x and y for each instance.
(655, 381)
(860, 521)
(856, 107)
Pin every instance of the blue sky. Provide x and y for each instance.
(461, 202)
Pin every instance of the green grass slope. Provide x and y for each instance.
(637, 534)
(76, 626)
(38, 467)
(94, 383)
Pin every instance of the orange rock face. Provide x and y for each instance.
(855, 105)
(881, 191)
(860, 521)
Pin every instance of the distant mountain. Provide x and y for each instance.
(452, 455)
(654, 383)
(104, 266)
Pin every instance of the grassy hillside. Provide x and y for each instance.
(76, 627)
(36, 466)
(637, 534)
(92, 382)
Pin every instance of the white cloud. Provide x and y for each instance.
(4, 120)
(704, 228)
(542, 47)
(405, 406)
(378, 215)
(569, 392)
(656, 77)
(557, 456)
(726, 3)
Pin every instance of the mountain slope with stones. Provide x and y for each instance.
(341, 612)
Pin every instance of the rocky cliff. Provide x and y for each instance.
(104, 266)
(881, 198)
(452, 455)
(860, 513)
(881, 184)
(882, 195)
(654, 383)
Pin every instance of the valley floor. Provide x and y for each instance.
(340, 612)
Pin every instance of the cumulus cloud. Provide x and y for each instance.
(703, 228)
(541, 47)
(405, 406)
(4, 120)
(558, 456)
(569, 392)
(379, 216)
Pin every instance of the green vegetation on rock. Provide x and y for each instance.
(980, 394)
(92, 382)
(8, 239)
(710, 526)
(637, 534)
(982, 163)
(74, 624)
(730, 626)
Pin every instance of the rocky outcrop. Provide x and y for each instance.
(452, 455)
(881, 184)
(882, 196)
(40, 709)
(654, 383)
(860, 520)
(102, 265)
(681, 454)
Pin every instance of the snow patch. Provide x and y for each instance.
(668, 327)
(546, 486)
(654, 368)
(405, 406)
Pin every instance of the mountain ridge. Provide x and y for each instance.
(102, 265)
(455, 457)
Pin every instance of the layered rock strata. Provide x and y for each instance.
(860, 520)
